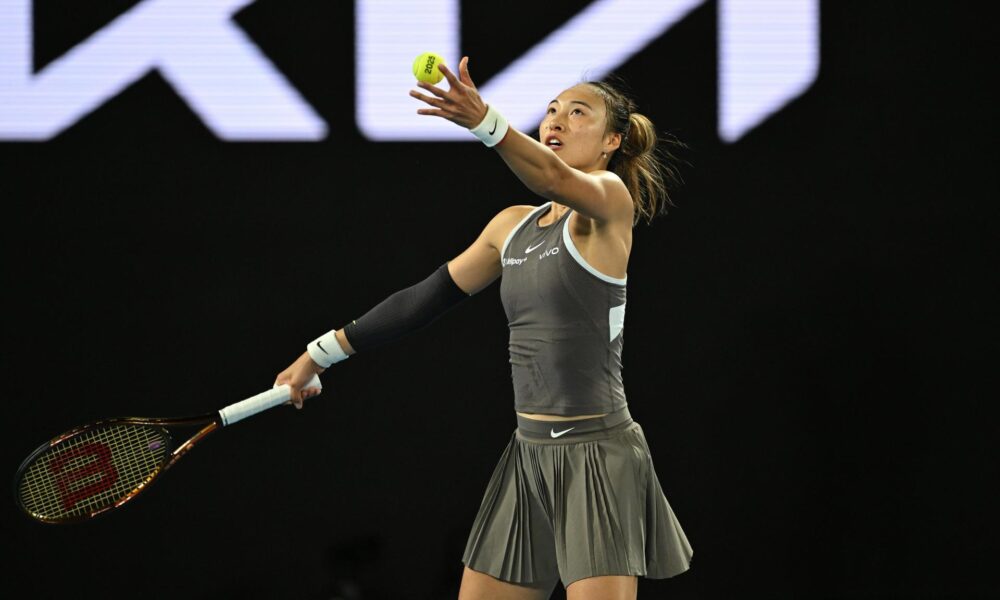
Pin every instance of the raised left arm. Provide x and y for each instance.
(600, 195)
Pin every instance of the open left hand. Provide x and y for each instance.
(461, 104)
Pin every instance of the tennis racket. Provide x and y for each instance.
(93, 468)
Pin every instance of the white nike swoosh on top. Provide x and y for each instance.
(533, 247)
(555, 435)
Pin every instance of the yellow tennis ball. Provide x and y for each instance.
(425, 67)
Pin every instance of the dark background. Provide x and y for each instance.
(808, 337)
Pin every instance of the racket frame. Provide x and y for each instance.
(228, 415)
(209, 422)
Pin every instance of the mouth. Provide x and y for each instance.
(553, 142)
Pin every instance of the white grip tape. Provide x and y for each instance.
(262, 401)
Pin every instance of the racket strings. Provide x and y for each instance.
(92, 471)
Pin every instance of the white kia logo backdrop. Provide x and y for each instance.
(768, 55)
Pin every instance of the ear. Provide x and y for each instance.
(612, 141)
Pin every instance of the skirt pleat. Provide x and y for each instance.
(505, 536)
(668, 551)
(575, 510)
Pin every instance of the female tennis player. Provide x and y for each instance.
(575, 496)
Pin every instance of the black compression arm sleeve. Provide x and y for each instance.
(405, 311)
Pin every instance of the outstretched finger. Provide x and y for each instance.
(452, 80)
(463, 69)
(437, 102)
(434, 112)
(433, 89)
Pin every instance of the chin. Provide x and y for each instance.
(568, 160)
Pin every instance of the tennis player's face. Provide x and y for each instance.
(574, 127)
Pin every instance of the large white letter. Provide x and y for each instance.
(194, 44)
(391, 33)
(768, 55)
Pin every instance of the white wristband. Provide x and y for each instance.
(492, 129)
(325, 350)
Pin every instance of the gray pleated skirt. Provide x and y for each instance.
(576, 499)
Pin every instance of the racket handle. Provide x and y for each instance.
(261, 402)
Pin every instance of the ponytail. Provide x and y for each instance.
(644, 161)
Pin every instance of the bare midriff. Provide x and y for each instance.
(544, 417)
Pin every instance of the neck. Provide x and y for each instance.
(601, 165)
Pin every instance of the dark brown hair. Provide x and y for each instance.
(644, 160)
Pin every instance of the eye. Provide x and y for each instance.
(578, 110)
(550, 110)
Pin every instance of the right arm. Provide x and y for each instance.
(479, 265)
(414, 307)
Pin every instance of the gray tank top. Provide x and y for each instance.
(565, 319)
